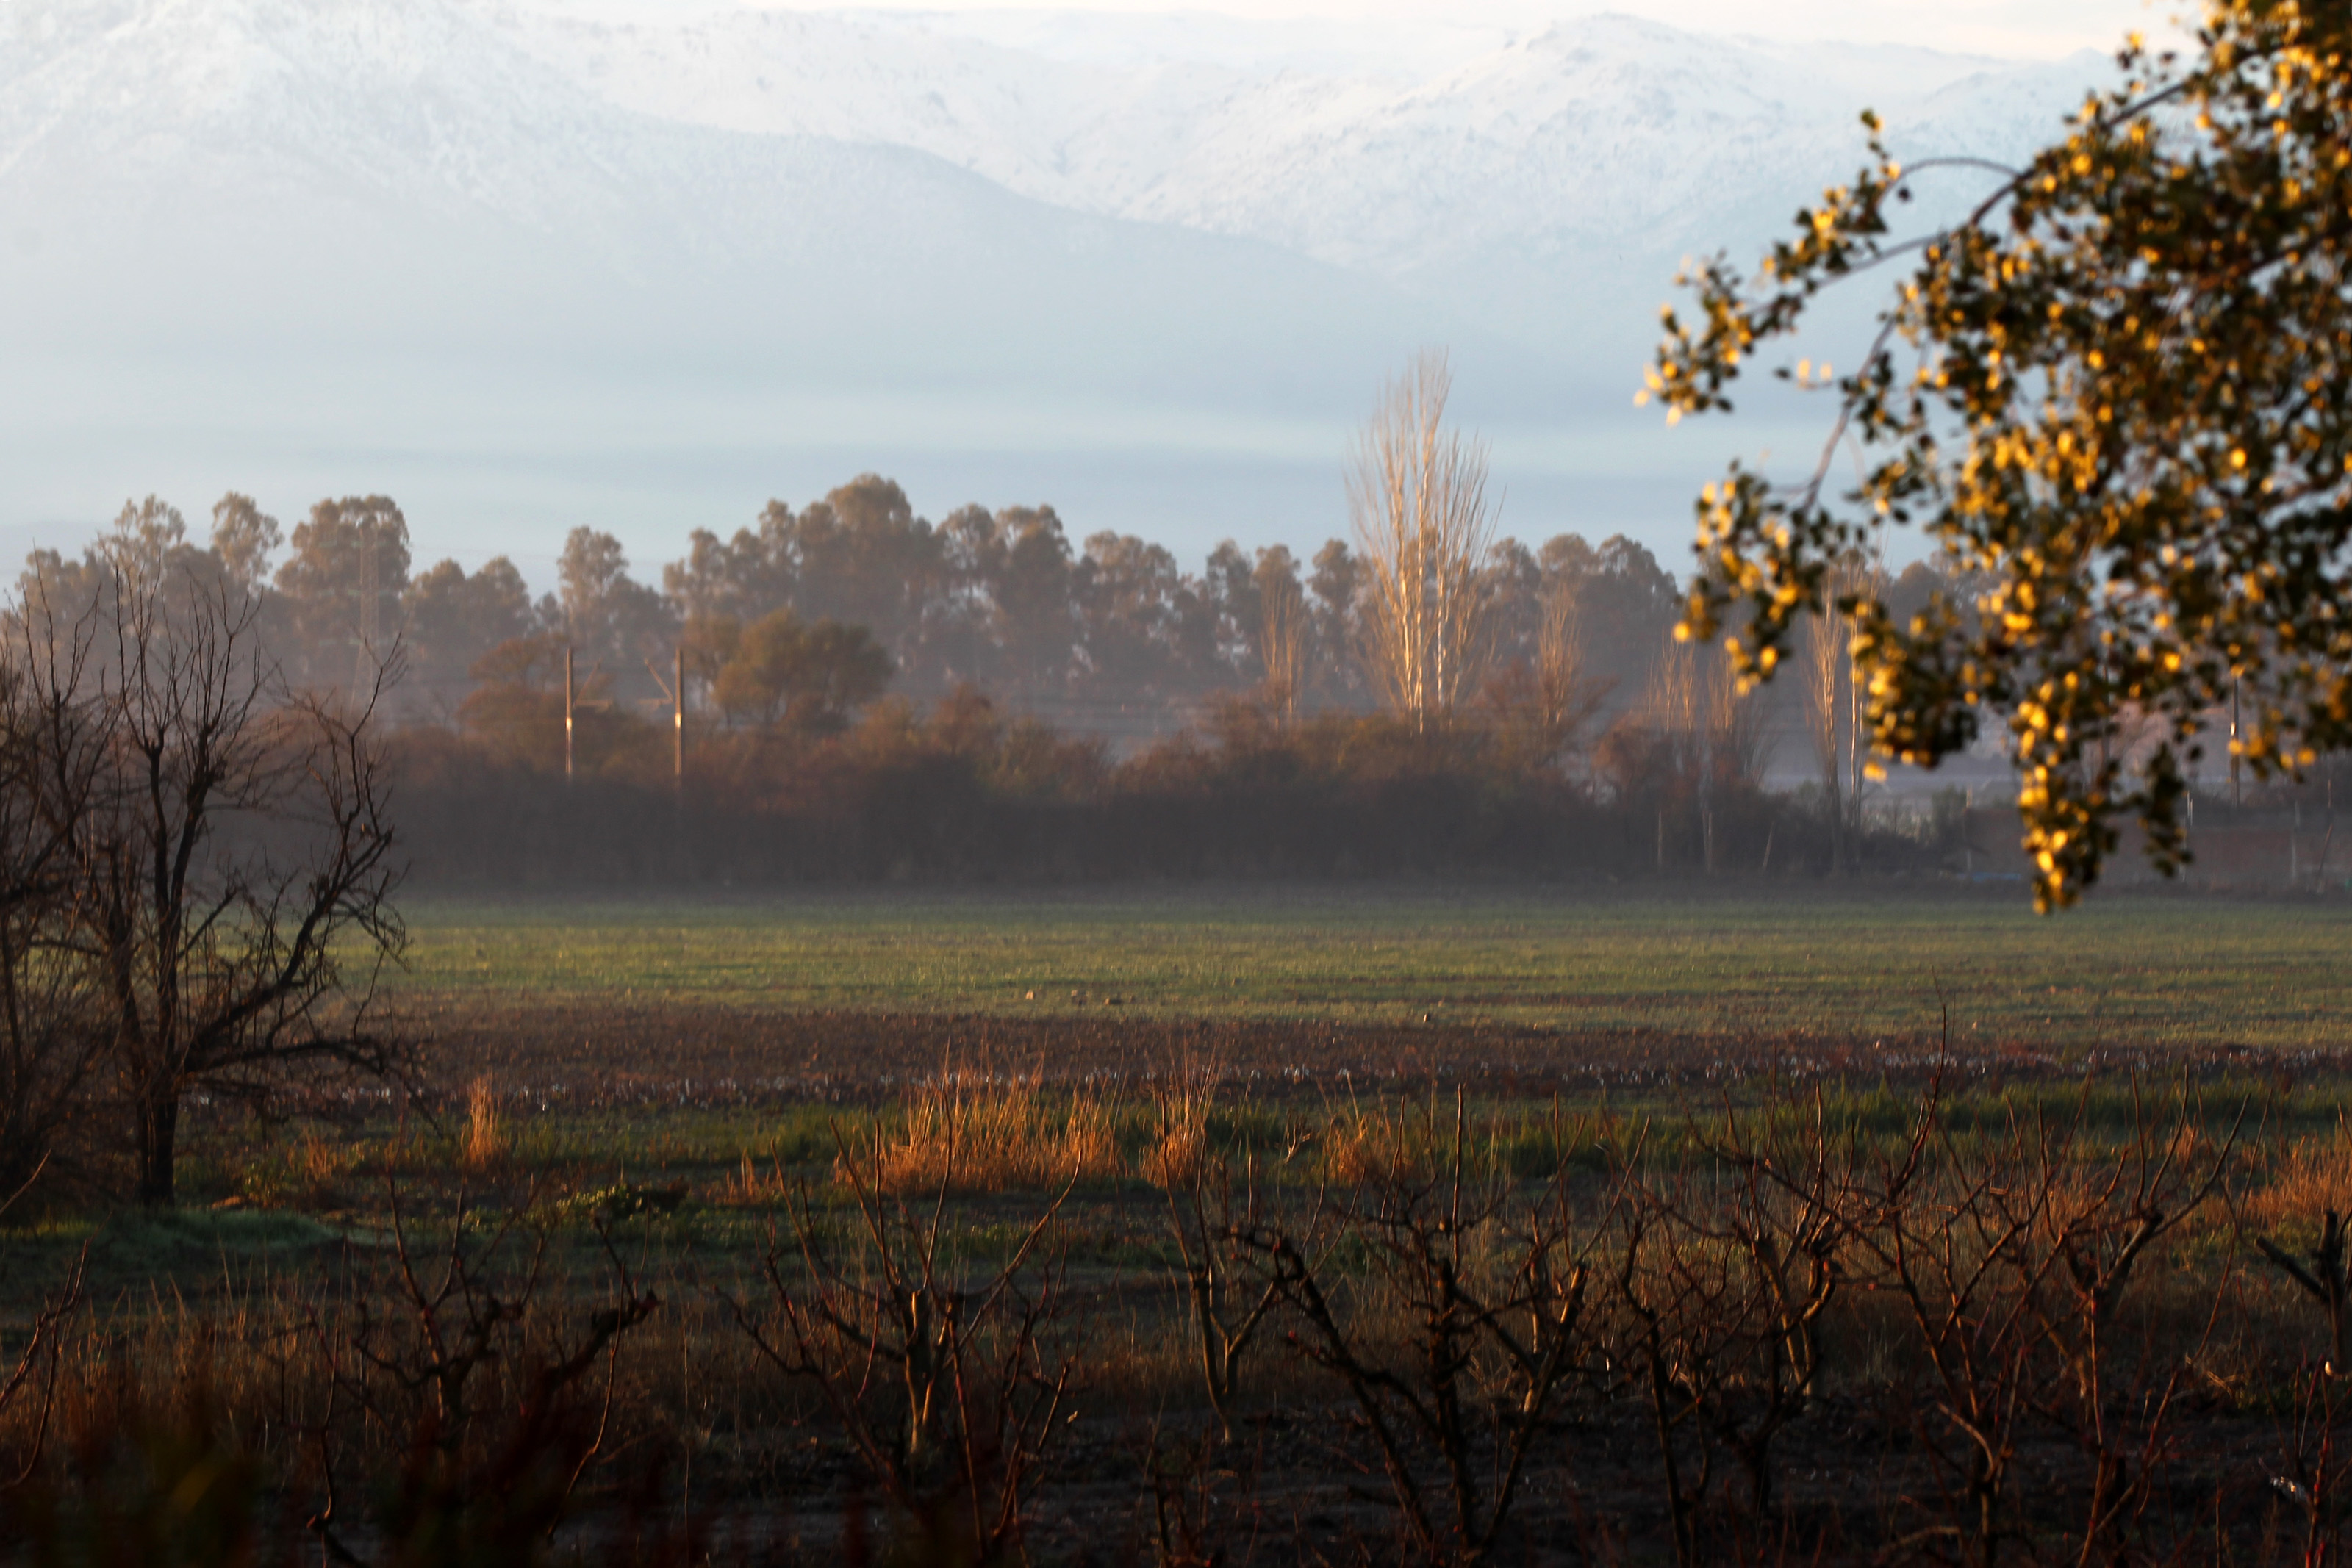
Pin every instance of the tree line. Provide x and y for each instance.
(1107, 635)
(869, 694)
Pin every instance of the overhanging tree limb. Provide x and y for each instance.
(2113, 397)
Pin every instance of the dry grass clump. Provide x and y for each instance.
(1177, 1155)
(968, 1134)
(484, 1142)
(1384, 1143)
(2309, 1177)
(752, 1187)
(304, 1173)
(317, 1165)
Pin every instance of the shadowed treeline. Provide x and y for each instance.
(850, 691)
(963, 793)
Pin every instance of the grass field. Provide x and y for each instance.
(694, 1102)
(2172, 973)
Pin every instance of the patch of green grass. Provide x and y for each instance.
(1765, 962)
(192, 1250)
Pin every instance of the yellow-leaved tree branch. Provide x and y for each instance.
(2114, 398)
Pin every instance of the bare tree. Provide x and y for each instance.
(52, 752)
(1736, 747)
(1282, 637)
(1571, 696)
(1712, 736)
(232, 880)
(1834, 708)
(1417, 500)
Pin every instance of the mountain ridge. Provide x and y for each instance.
(434, 205)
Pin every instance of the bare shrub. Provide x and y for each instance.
(480, 1388)
(1674, 1328)
(1455, 1384)
(1723, 1271)
(959, 1428)
(2014, 1253)
(2325, 1275)
(2117, 1374)
(2316, 1473)
(39, 1362)
(1205, 1506)
(2316, 1478)
(1228, 1307)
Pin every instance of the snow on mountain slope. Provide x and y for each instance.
(673, 247)
(377, 244)
(1604, 138)
(1399, 47)
(304, 141)
(1080, 136)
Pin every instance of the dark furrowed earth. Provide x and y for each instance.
(685, 1054)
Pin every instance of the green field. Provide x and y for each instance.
(2171, 972)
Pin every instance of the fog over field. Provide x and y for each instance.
(642, 267)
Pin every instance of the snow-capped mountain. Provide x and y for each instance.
(1604, 131)
(526, 263)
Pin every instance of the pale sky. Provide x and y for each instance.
(2041, 28)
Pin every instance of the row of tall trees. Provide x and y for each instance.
(804, 615)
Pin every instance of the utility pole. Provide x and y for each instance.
(567, 713)
(675, 689)
(2237, 796)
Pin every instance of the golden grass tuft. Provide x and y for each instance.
(2306, 1179)
(484, 1142)
(752, 1187)
(305, 1172)
(965, 1134)
(1385, 1144)
(319, 1163)
(1178, 1154)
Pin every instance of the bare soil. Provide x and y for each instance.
(609, 1053)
